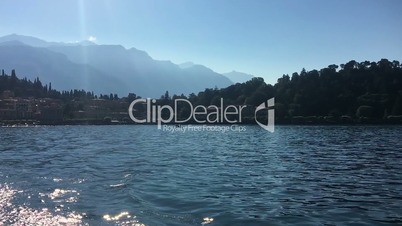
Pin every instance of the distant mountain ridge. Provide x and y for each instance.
(238, 77)
(32, 62)
(103, 68)
(36, 42)
(186, 64)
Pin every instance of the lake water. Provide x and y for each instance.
(138, 175)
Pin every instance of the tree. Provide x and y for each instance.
(13, 79)
(131, 97)
(166, 96)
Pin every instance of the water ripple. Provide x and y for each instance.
(138, 175)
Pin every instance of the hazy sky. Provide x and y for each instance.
(261, 37)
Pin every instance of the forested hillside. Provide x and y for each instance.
(351, 92)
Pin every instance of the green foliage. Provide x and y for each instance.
(333, 92)
(26, 88)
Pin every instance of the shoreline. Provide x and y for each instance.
(24, 123)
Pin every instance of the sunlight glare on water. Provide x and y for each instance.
(23, 215)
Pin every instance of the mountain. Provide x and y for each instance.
(107, 68)
(28, 40)
(238, 77)
(36, 42)
(186, 65)
(32, 62)
(144, 75)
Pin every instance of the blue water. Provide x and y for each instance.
(138, 175)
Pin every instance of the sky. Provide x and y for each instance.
(265, 38)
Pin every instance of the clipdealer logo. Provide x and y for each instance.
(212, 114)
(269, 107)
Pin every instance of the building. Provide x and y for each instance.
(16, 108)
